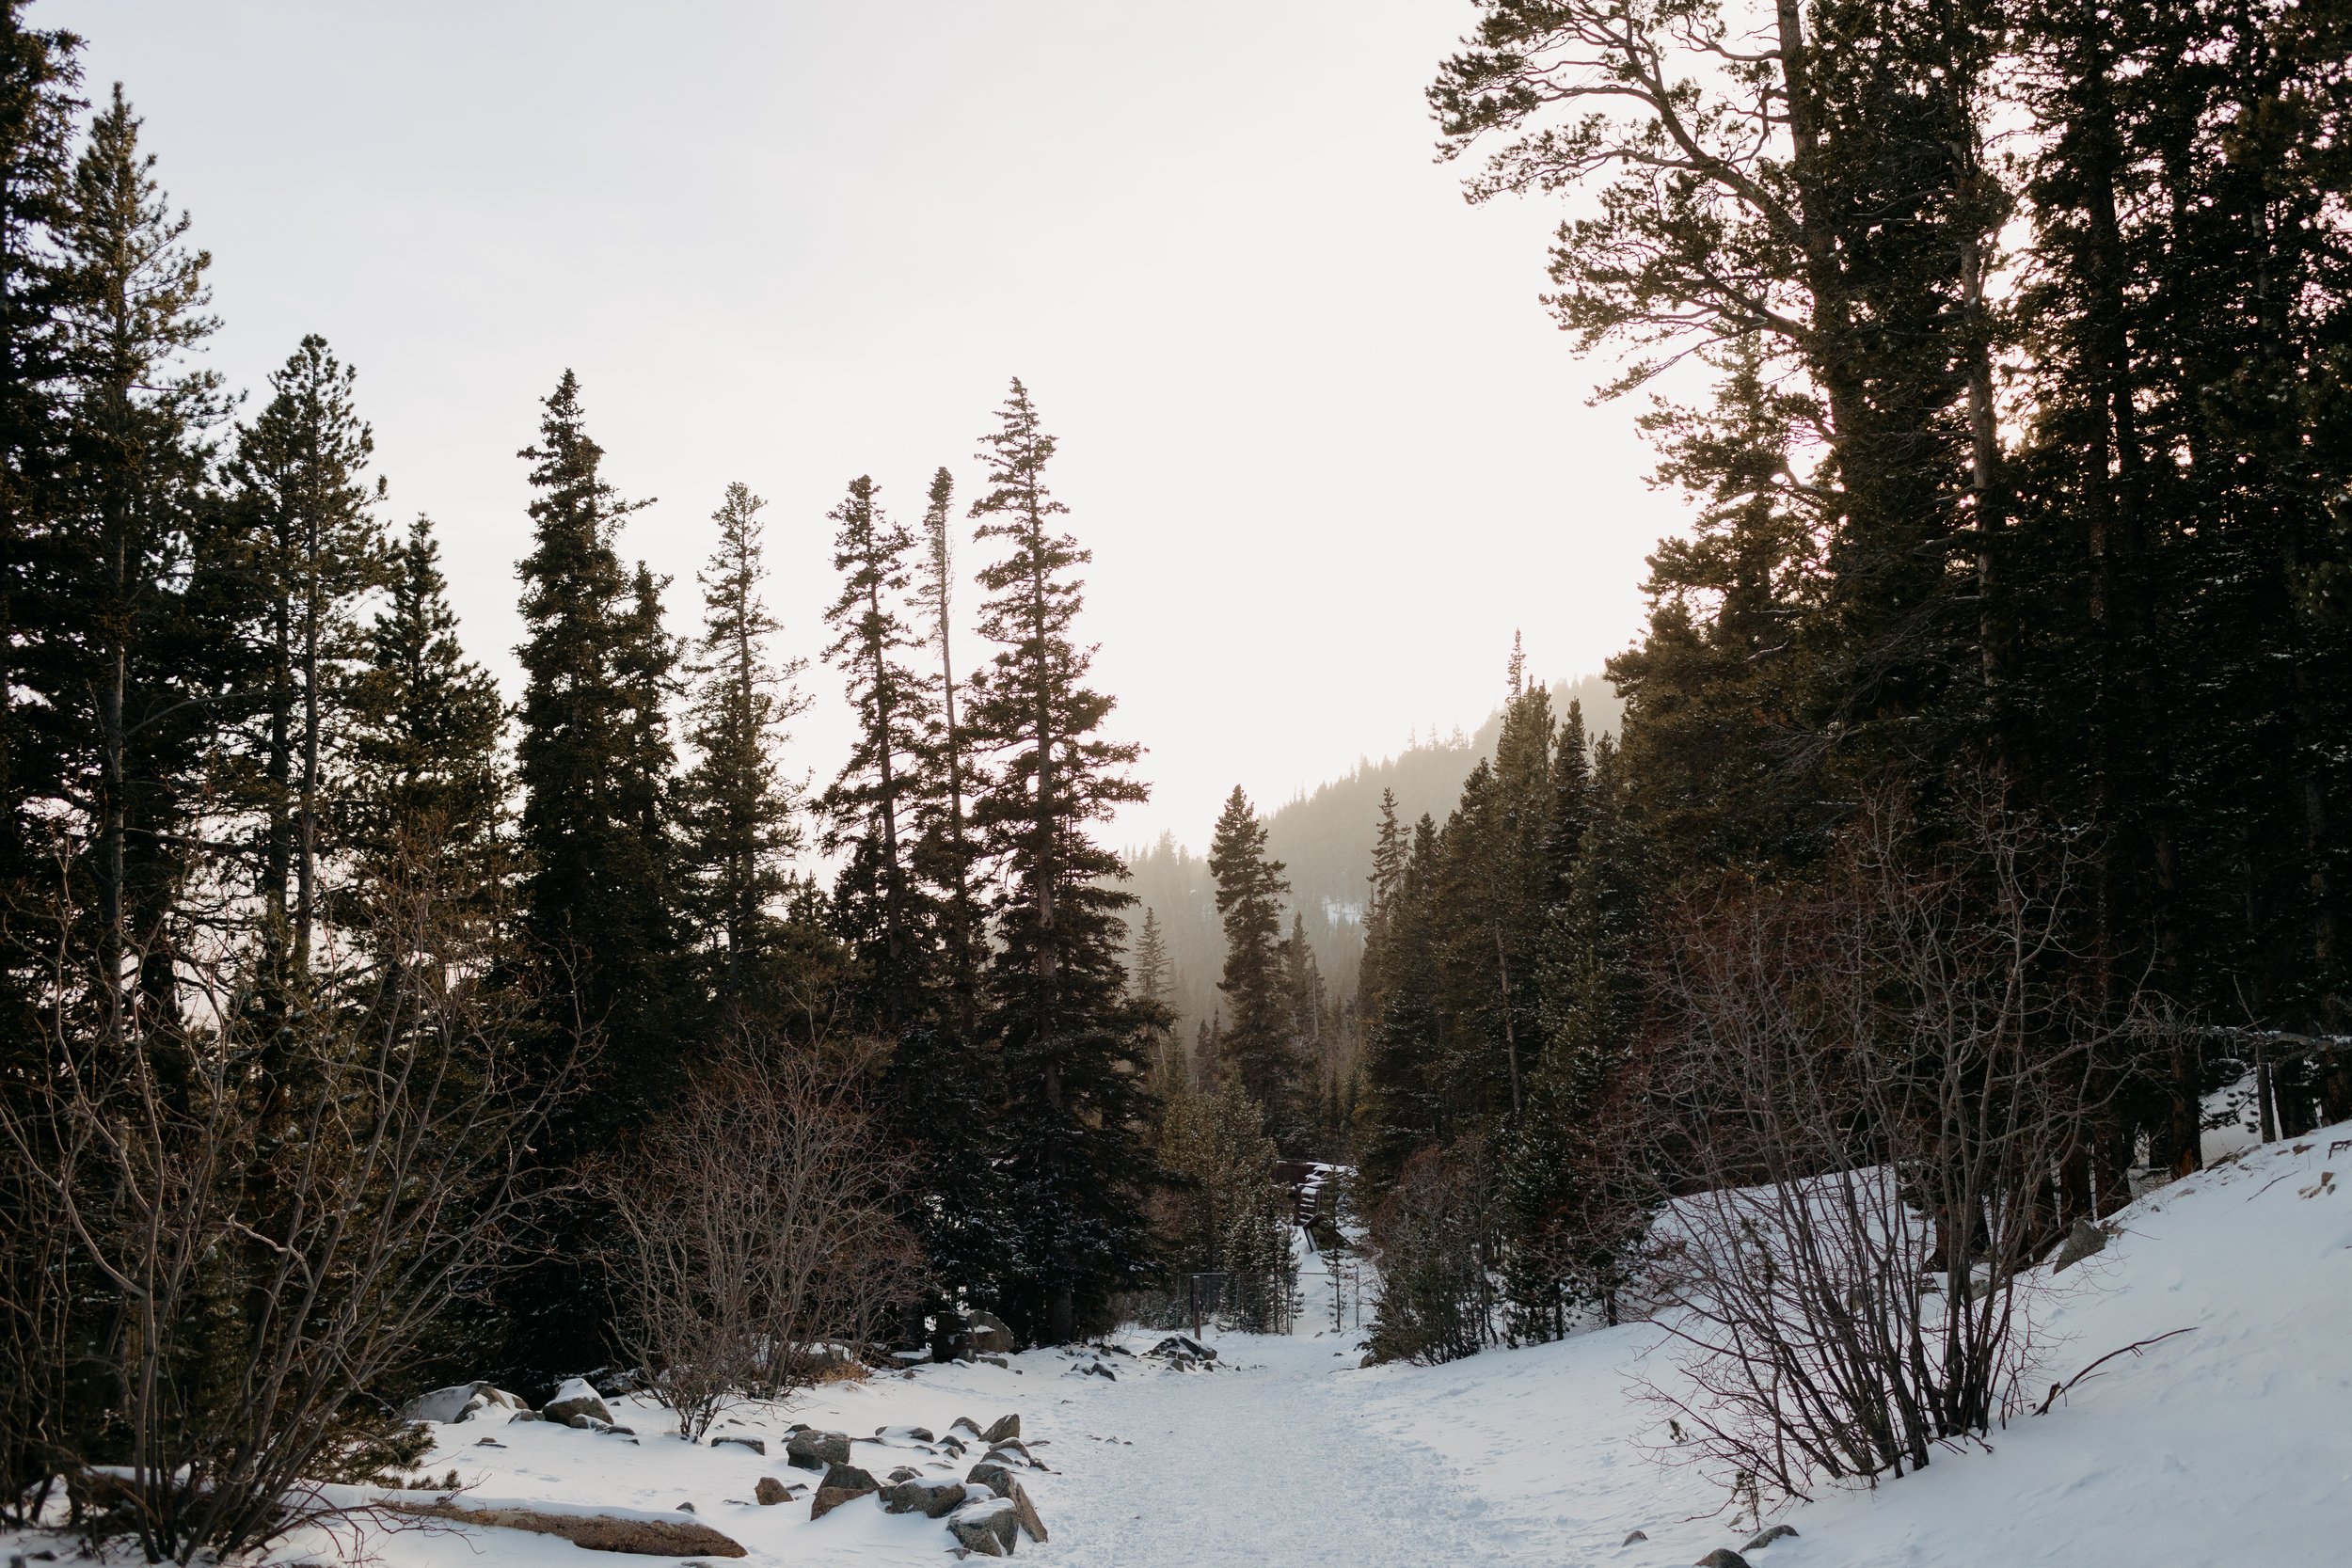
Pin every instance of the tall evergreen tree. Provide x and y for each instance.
(599, 897)
(739, 808)
(1258, 1038)
(1058, 1012)
(946, 855)
(872, 806)
(308, 546)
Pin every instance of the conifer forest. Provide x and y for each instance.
(1951, 879)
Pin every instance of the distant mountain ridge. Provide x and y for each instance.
(1324, 839)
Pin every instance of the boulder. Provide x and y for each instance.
(986, 1332)
(2081, 1242)
(1181, 1347)
(1722, 1557)
(842, 1484)
(934, 1498)
(986, 1528)
(1012, 1448)
(1637, 1535)
(757, 1445)
(904, 1435)
(1025, 1511)
(1002, 1428)
(811, 1450)
(992, 1474)
(597, 1532)
(576, 1398)
(769, 1492)
(989, 1358)
(459, 1401)
(966, 1426)
(1766, 1536)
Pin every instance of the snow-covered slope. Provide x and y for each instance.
(2229, 1446)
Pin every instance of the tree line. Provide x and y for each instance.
(2003, 352)
(362, 1028)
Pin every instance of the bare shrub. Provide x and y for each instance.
(1877, 1082)
(1433, 1239)
(267, 1204)
(760, 1236)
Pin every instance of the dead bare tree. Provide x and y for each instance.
(1878, 1081)
(271, 1217)
(759, 1239)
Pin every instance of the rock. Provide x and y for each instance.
(1181, 1347)
(597, 1532)
(934, 1498)
(757, 1445)
(904, 1472)
(1002, 1428)
(683, 1508)
(2081, 1242)
(842, 1484)
(1764, 1538)
(904, 1435)
(1637, 1535)
(986, 1332)
(1025, 1511)
(576, 1398)
(989, 1358)
(992, 1474)
(965, 1424)
(986, 1528)
(811, 1450)
(1722, 1557)
(1014, 1448)
(524, 1416)
(769, 1492)
(488, 1443)
(461, 1399)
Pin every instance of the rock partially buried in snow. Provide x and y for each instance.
(986, 1528)
(1025, 1511)
(459, 1401)
(769, 1492)
(1766, 1536)
(2081, 1242)
(576, 1398)
(811, 1450)
(1182, 1347)
(1722, 1557)
(987, 1332)
(842, 1484)
(1638, 1535)
(992, 1474)
(597, 1532)
(934, 1498)
(1002, 1428)
(905, 1435)
(757, 1445)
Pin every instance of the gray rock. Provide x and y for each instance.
(442, 1404)
(811, 1450)
(1637, 1535)
(905, 1435)
(1025, 1511)
(769, 1492)
(1002, 1428)
(576, 1398)
(1011, 1449)
(757, 1445)
(986, 1528)
(965, 1424)
(2081, 1242)
(842, 1484)
(986, 1332)
(934, 1498)
(1722, 1557)
(1182, 1347)
(992, 1474)
(683, 1508)
(989, 1358)
(1766, 1536)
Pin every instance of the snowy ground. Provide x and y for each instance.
(2228, 1446)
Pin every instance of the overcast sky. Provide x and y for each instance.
(1326, 447)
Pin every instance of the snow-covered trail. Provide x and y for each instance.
(1268, 1462)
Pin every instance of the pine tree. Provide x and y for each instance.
(1258, 1042)
(739, 808)
(599, 898)
(946, 854)
(420, 763)
(130, 699)
(308, 546)
(872, 807)
(1058, 1014)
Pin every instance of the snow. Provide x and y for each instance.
(2230, 1445)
